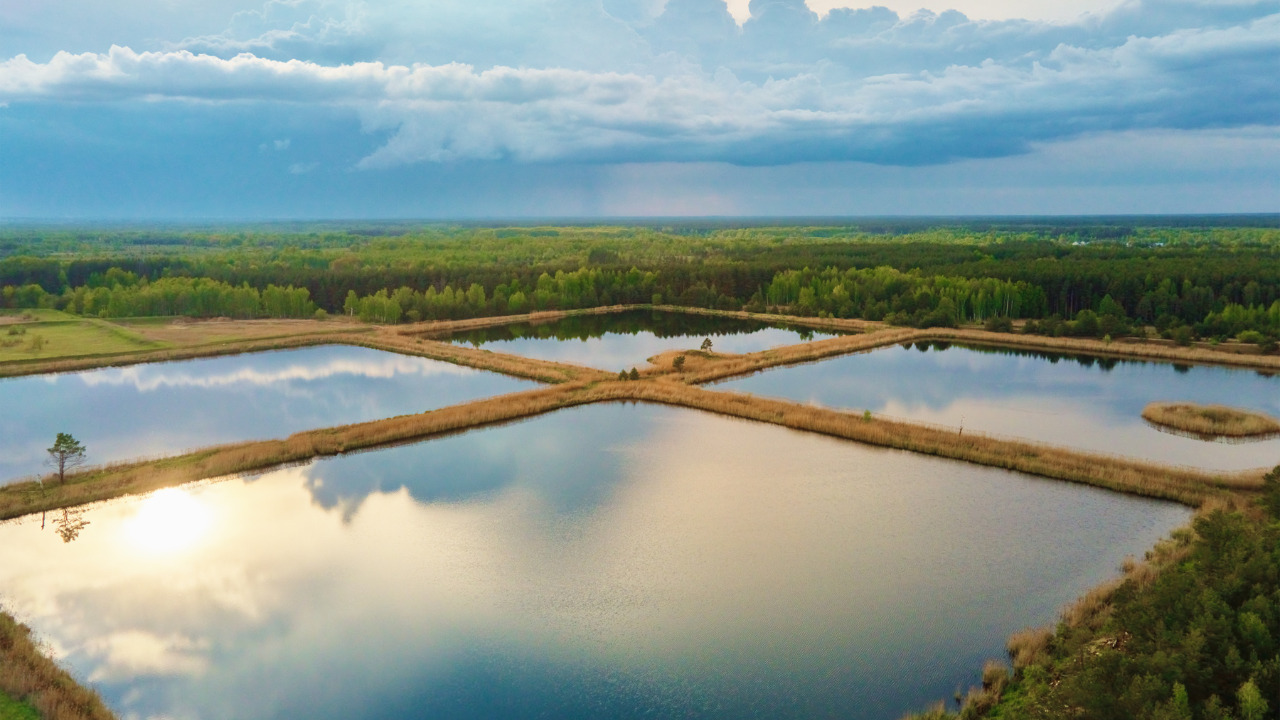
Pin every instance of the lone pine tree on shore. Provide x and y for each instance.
(66, 454)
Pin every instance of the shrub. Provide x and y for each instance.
(999, 324)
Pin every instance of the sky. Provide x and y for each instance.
(244, 109)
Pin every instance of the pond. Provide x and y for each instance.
(613, 561)
(623, 340)
(165, 408)
(1082, 402)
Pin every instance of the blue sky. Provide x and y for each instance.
(473, 108)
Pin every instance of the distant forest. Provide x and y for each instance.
(1187, 278)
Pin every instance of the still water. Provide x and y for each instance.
(624, 340)
(1083, 402)
(608, 561)
(165, 408)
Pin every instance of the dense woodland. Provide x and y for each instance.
(1185, 281)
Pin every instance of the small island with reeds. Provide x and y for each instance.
(1210, 422)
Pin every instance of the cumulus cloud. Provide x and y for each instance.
(786, 86)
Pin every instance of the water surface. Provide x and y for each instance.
(624, 340)
(165, 408)
(1084, 402)
(606, 561)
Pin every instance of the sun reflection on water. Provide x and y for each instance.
(168, 521)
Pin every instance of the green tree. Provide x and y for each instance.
(635, 374)
(1252, 705)
(66, 454)
(706, 345)
(678, 363)
(1271, 491)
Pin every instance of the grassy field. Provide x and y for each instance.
(11, 709)
(29, 341)
(85, 344)
(181, 332)
(17, 317)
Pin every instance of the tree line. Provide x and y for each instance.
(1198, 282)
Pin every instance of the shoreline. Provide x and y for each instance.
(572, 385)
(400, 338)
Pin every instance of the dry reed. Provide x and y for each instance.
(515, 365)
(131, 478)
(26, 674)
(446, 327)
(727, 366)
(1185, 485)
(1210, 421)
(55, 695)
(878, 335)
(838, 324)
(1029, 645)
(1125, 348)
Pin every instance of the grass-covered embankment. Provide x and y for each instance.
(513, 365)
(1185, 485)
(89, 344)
(33, 686)
(877, 335)
(158, 340)
(1193, 634)
(131, 478)
(1210, 421)
(1116, 473)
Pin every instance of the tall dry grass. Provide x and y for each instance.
(1124, 348)
(1185, 485)
(1210, 420)
(839, 324)
(514, 365)
(872, 335)
(28, 675)
(131, 478)
(1028, 646)
(431, 328)
(878, 335)
(727, 366)
(1189, 486)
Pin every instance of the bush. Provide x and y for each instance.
(999, 324)
(1086, 324)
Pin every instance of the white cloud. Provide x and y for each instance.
(857, 85)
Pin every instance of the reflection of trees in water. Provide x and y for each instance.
(69, 524)
(1106, 364)
(584, 327)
